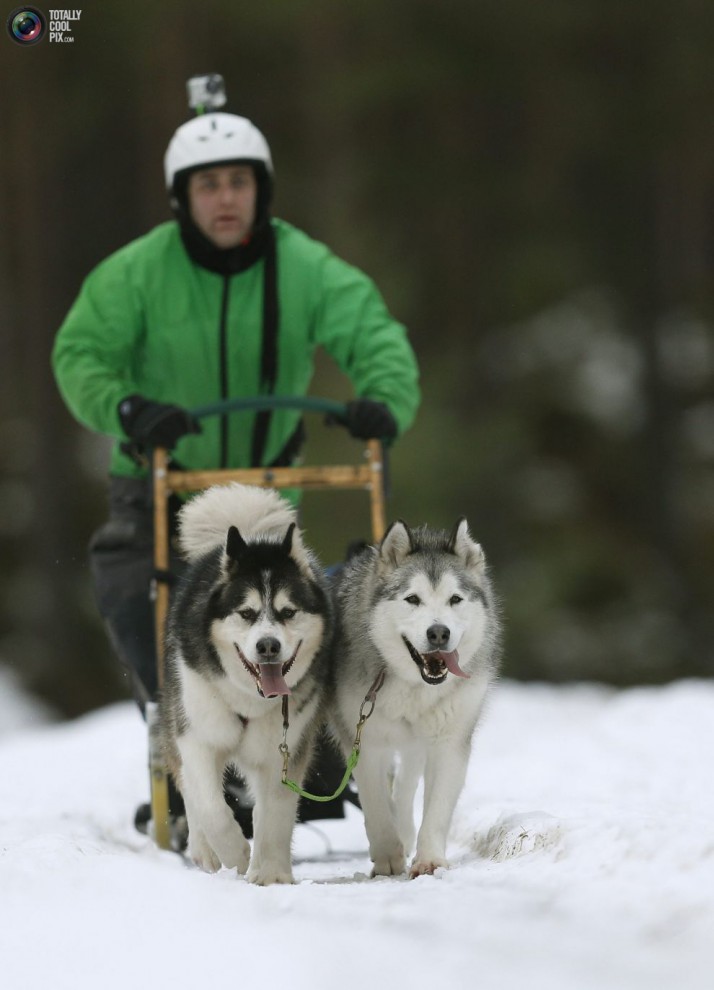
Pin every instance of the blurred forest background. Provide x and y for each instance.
(532, 187)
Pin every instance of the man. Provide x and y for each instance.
(223, 301)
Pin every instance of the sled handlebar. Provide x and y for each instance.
(263, 403)
(334, 412)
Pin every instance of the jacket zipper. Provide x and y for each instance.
(223, 343)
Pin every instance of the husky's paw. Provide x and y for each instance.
(202, 855)
(231, 850)
(234, 851)
(427, 867)
(264, 876)
(389, 866)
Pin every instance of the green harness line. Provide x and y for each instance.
(370, 699)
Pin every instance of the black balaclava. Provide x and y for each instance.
(202, 250)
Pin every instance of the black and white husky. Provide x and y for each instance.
(248, 626)
(419, 608)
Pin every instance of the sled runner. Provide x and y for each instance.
(368, 476)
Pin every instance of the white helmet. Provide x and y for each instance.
(215, 138)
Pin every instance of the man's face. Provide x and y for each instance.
(222, 201)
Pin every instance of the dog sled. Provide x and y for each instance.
(367, 476)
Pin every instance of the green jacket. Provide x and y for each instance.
(148, 321)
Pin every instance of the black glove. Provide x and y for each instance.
(368, 420)
(156, 424)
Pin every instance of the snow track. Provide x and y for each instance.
(582, 859)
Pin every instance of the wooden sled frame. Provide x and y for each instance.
(368, 476)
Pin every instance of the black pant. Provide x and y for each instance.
(121, 560)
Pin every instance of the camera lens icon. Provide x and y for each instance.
(26, 25)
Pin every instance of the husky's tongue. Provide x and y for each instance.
(452, 662)
(272, 682)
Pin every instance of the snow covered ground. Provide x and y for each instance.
(582, 857)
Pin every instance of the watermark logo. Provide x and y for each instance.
(28, 25)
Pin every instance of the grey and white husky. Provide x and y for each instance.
(418, 607)
(248, 625)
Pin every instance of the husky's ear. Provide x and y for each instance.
(396, 545)
(464, 547)
(235, 544)
(288, 539)
(293, 546)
